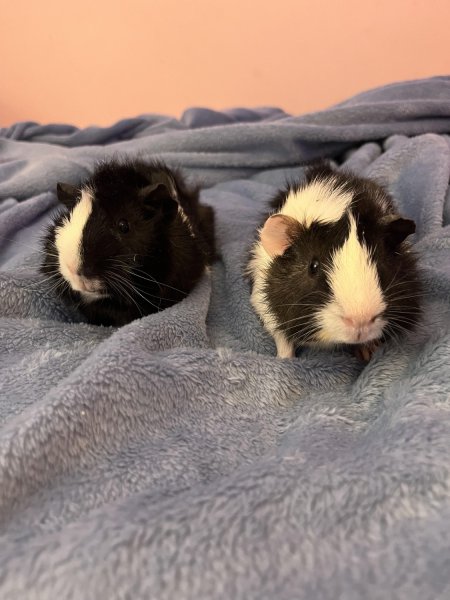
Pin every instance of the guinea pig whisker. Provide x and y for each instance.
(399, 315)
(121, 290)
(132, 286)
(397, 326)
(403, 282)
(410, 322)
(306, 331)
(295, 320)
(146, 299)
(128, 287)
(129, 255)
(397, 283)
(406, 289)
(297, 323)
(51, 287)
(32, 288)
(401, 307)
(317, 293)
(393, 279)
(295, 331)
(400, 310)
(52, 280)
(121, 263)
(132, 271)
(401, 295)
(404, 322)
(305, 337)
(400, 299)
(58, 289)
(399, 318)
(47, 278)
(395, 335)
(297, 304)
(29, 246)
(150, 278)
(392, 336)
(146, 293)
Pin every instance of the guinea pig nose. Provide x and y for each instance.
(89, 286)
(350, 321)
(360, 322)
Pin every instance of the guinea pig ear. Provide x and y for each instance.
(398, 229)
(67, 194)
(158, 199)
(166, 179)
(277, 234)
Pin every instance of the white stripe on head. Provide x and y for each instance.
(356, 294)
(68, 238)
(319, 201)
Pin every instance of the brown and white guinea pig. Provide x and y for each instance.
(331, 265)
(133, 240)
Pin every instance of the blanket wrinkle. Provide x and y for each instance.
(177, 457)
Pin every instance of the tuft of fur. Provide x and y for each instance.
(115, 276)
(366, 288)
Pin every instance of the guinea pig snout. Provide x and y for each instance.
(363, 328)
(90, 285)
(80, 280)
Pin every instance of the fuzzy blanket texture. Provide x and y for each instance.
(177, 457)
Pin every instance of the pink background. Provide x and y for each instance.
(96, 61)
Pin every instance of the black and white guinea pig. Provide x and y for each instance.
(331, 265)
(133, 240)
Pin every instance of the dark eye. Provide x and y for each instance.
(123, 226)
(314, 267)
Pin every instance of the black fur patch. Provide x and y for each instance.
(293, 289)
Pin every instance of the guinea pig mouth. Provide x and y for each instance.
(335, 327)
(90, 289)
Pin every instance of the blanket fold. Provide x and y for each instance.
(177, 457)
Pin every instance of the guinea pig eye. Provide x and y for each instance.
(314, 267)
(123, 226)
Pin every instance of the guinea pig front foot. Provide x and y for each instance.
(285, 348)
(365, 352)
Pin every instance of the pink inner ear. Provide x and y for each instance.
(276, 235)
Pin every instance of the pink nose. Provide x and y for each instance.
(89, 286)
(359, 323)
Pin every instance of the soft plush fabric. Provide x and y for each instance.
(177, 457)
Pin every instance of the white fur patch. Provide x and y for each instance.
(319, 201)
(258, 268)
(68, 238)
(354, 313)
(183, 216)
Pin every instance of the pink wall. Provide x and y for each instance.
(96, 61)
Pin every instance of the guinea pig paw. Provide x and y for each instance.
(364, 353)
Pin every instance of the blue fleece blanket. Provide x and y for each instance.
(176, 457)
